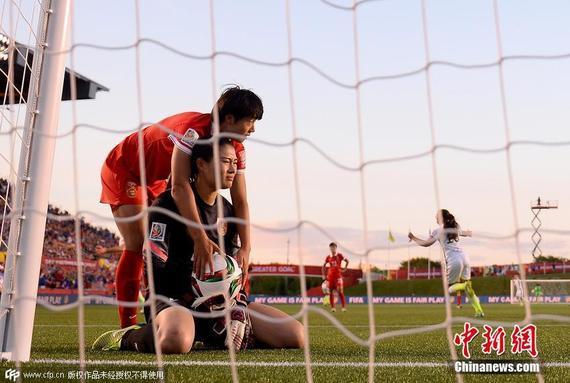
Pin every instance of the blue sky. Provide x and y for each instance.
(467, 112)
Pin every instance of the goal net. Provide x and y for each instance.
(540, 291)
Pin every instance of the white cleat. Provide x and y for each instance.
(343, 310)
(333, 310)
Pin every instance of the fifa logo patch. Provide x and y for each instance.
(157, 232)
(190, 137)
(131, 189)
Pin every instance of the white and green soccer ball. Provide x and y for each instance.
(325, 287)
(209, 291)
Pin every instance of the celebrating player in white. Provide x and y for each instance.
(457, 262)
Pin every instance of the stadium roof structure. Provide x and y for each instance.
(22, 60)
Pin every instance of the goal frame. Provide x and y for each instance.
(28, 213)
(526, 293)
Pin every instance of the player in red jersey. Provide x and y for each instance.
(334, 275)
(167, 147)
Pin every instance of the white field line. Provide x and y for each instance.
(260, 364)
(115, 325)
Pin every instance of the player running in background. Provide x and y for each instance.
(519, 289)
(172, 254)
(457, 262)
(167, 148)
(334, 275)
(537, 292)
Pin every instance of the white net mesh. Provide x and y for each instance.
(540, 290)
(207, 55)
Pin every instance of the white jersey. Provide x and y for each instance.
(456, 261)
(518, 287)
(450, 248)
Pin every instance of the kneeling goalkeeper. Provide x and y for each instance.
(171, 248)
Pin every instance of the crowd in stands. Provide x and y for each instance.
(5, 224)
(59, 240)
(59, 244)
(500, 270)
(54, 276)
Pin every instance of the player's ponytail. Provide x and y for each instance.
(449, 222)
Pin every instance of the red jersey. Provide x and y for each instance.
(334, 262)
(182, 130)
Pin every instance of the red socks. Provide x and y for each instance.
(342, 300)
(127, 283)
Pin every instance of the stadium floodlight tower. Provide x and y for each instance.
(536, 207)
(33, 77)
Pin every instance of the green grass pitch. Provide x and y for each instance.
(56, 339)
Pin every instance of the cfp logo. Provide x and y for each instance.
(12, 374)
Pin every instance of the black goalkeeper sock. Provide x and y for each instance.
(140, 340)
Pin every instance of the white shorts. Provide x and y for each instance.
(458, 268)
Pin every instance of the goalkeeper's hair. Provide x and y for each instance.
(240, 103)
(204, 151)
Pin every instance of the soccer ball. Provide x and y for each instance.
(325, 287)
(209, 291)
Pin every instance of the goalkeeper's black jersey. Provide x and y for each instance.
(172, 248)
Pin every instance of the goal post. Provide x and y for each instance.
(28, 213)
(540, 290)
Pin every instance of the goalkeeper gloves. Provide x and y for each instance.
(240, 332)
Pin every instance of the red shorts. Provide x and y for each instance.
(335, 283)
(119, 187)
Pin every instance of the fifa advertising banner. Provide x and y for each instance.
(58, 297)
(350, 276)
(294, 270)
(484, 299)
(63, 297)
